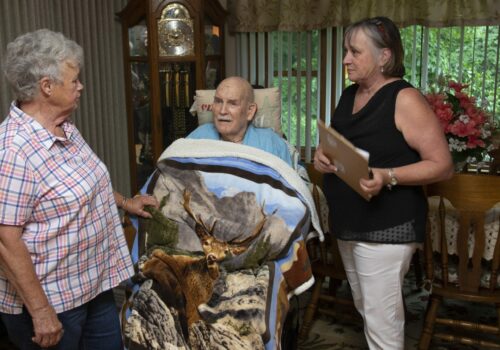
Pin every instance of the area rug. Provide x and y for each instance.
(332, 333)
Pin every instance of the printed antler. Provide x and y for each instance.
(201, 230)
(216, 250)
(239, 247)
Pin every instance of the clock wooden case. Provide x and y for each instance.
(170, 49)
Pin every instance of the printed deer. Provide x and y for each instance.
(192, 278)
(216, 250)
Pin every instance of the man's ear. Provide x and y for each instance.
(252, 109)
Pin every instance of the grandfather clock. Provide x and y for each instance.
(170, 49)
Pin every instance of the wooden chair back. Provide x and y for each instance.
(326, 263)
(464, 275)
(129, 231)
(329, 249)
(472, 196)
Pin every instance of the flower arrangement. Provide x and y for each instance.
(467, 127)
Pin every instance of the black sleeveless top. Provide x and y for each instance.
(393, 216)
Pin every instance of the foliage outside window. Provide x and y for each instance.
(288, 84)
(474, 63)
(478, 56)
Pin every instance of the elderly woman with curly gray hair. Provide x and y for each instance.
(62, 247)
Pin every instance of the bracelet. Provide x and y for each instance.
(124, 202)
(393, 180)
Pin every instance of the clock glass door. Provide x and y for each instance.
(175, 31)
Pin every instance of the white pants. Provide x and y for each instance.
(375, 272)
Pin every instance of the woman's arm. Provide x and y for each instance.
(421, 129)
(18, 267)
(136, 204)
(423, 132)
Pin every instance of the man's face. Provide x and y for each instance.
(232, 111)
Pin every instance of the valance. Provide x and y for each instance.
(304, 15)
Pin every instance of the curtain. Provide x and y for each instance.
(304, 15)
(101, 116)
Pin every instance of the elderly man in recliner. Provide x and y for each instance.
(233, 109)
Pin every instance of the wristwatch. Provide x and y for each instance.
(393, 181)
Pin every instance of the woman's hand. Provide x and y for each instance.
(322, 163)
(47, 327)
(17, 265)
(136, 204)
(373, 185)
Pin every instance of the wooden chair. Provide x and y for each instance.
(472, 196)
(326, 262)
(129, 231)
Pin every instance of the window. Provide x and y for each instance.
(465, 54)
(307, 66)
(296, 58)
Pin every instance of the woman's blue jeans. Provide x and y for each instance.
(91, 326)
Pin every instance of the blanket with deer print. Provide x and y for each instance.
(220, 258)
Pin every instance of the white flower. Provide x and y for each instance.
(456, 145)
(471, 159)
(464, 118)
(485, 133)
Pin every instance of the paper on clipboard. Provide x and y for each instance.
(351, 162)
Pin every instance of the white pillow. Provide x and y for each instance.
(268, 108)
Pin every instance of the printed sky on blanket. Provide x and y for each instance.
(289, 208)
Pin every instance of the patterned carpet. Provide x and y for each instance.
(328, 333)
(343, 333)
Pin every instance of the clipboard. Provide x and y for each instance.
(351, 162)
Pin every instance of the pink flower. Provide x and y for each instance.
(457, 86)
(464, 123)
(473, 142)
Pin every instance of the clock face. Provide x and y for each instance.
(175, 38)
(175, 31)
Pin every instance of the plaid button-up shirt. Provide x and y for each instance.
(59, 191)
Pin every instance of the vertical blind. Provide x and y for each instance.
(101, 116)
(294, 64)
(466, 54)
